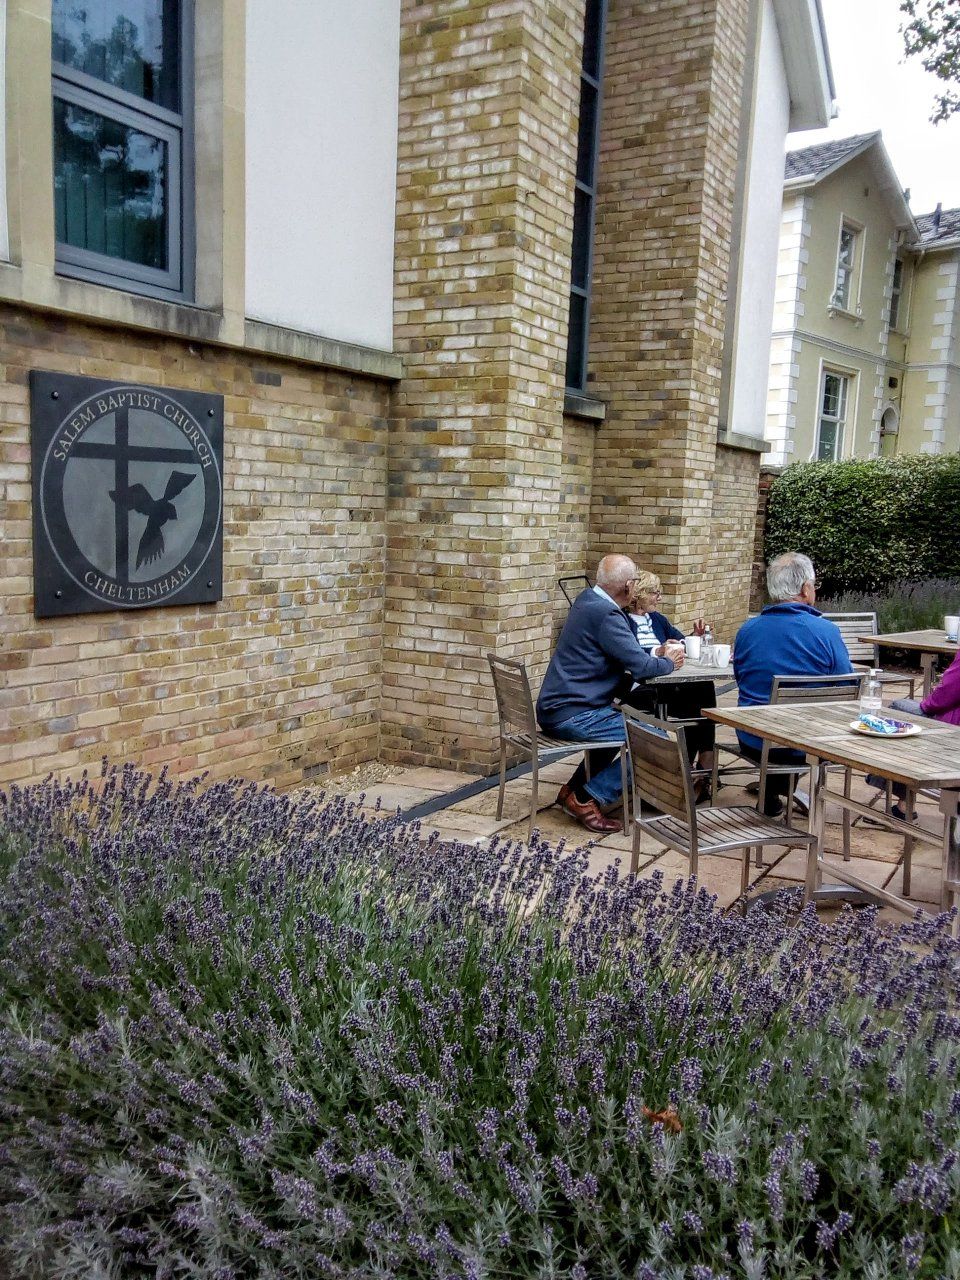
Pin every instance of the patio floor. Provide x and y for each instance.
(876, 855)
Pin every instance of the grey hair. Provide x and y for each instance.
(614, 572)
(787, 573)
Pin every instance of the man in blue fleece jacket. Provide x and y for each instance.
(596, 649)
(789, 638)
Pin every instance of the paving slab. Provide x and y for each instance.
(877, 853)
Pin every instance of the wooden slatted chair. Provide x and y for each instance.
(661, 777)
(862, 652)
(845, 688)
(838, 688)
(520, 732)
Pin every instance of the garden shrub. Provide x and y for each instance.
(248, 1036)
(869, 523)
(905, 606)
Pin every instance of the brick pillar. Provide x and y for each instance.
(669, 137)
(487, 133)
(758, 578)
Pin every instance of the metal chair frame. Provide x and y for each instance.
(661, 777)
(519, 730)
(582, 578)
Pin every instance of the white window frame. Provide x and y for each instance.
(845, 415)
(850, 302)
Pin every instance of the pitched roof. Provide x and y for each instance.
(936, 227)
(811, 165)
(823, 157)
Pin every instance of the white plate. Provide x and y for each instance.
(907, 732)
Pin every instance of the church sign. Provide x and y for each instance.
(127, 495)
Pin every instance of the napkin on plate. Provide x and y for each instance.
(880, 724)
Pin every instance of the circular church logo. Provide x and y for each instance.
(130, 496)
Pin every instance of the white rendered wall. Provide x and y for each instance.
(4, 242)
(321, 165)
(761, 237)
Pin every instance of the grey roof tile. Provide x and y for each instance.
(932, 230)
(815, 160)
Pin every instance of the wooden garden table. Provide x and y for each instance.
(929, 760)
(930, 645)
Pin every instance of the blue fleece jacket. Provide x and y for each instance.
(595, 649)
(788, 639)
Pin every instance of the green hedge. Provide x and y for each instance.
(868, 524)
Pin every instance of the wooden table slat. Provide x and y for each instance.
(929, 759)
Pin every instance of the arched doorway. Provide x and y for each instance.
(889, 429)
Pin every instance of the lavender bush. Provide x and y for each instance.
(246, 1036)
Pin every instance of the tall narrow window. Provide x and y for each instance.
(846, 263)
(833, 415)
(896, 294)
(585, 193)
(119, 138)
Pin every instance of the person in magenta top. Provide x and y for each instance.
(941, 703)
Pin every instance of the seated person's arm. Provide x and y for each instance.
(619, 643)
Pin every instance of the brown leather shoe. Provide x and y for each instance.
(562, 794)
(589, 816)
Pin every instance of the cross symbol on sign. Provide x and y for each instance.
(122, 453)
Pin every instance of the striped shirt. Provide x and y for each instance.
(646, 636)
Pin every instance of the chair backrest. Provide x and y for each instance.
(514, 699)
(659, 768)
(851, 626)
(574, 583)
(845, 688)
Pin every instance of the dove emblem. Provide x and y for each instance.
(159, 511)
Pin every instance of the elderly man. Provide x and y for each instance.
(596, 649)
(789, 638)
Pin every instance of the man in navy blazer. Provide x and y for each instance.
(597, 647)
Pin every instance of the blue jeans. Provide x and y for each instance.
(602, 725)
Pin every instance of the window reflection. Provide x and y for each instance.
(110, 187)
(131, 44)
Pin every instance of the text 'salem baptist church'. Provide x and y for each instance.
(128, 495)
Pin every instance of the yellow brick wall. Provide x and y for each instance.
(668, 153)
(280, 680)
(487, 135)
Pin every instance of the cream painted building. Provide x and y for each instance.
(866, 329)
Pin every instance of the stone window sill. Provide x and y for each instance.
(577, 405)
(98, 304)
(855, 317)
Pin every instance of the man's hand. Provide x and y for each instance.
(675, 651)
(699, 627)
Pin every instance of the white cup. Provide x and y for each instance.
(721, 654)
(692, 646)
(951, 626)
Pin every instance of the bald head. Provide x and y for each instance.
(614, 574)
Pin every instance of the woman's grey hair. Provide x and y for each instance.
(787, 573)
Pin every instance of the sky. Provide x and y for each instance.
(877, 87)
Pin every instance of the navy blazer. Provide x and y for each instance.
(596, 647)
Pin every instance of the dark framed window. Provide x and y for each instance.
(585, 196)
(122, 143)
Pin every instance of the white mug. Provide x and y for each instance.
(721, 654)
(692, 646)
(951, 626)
